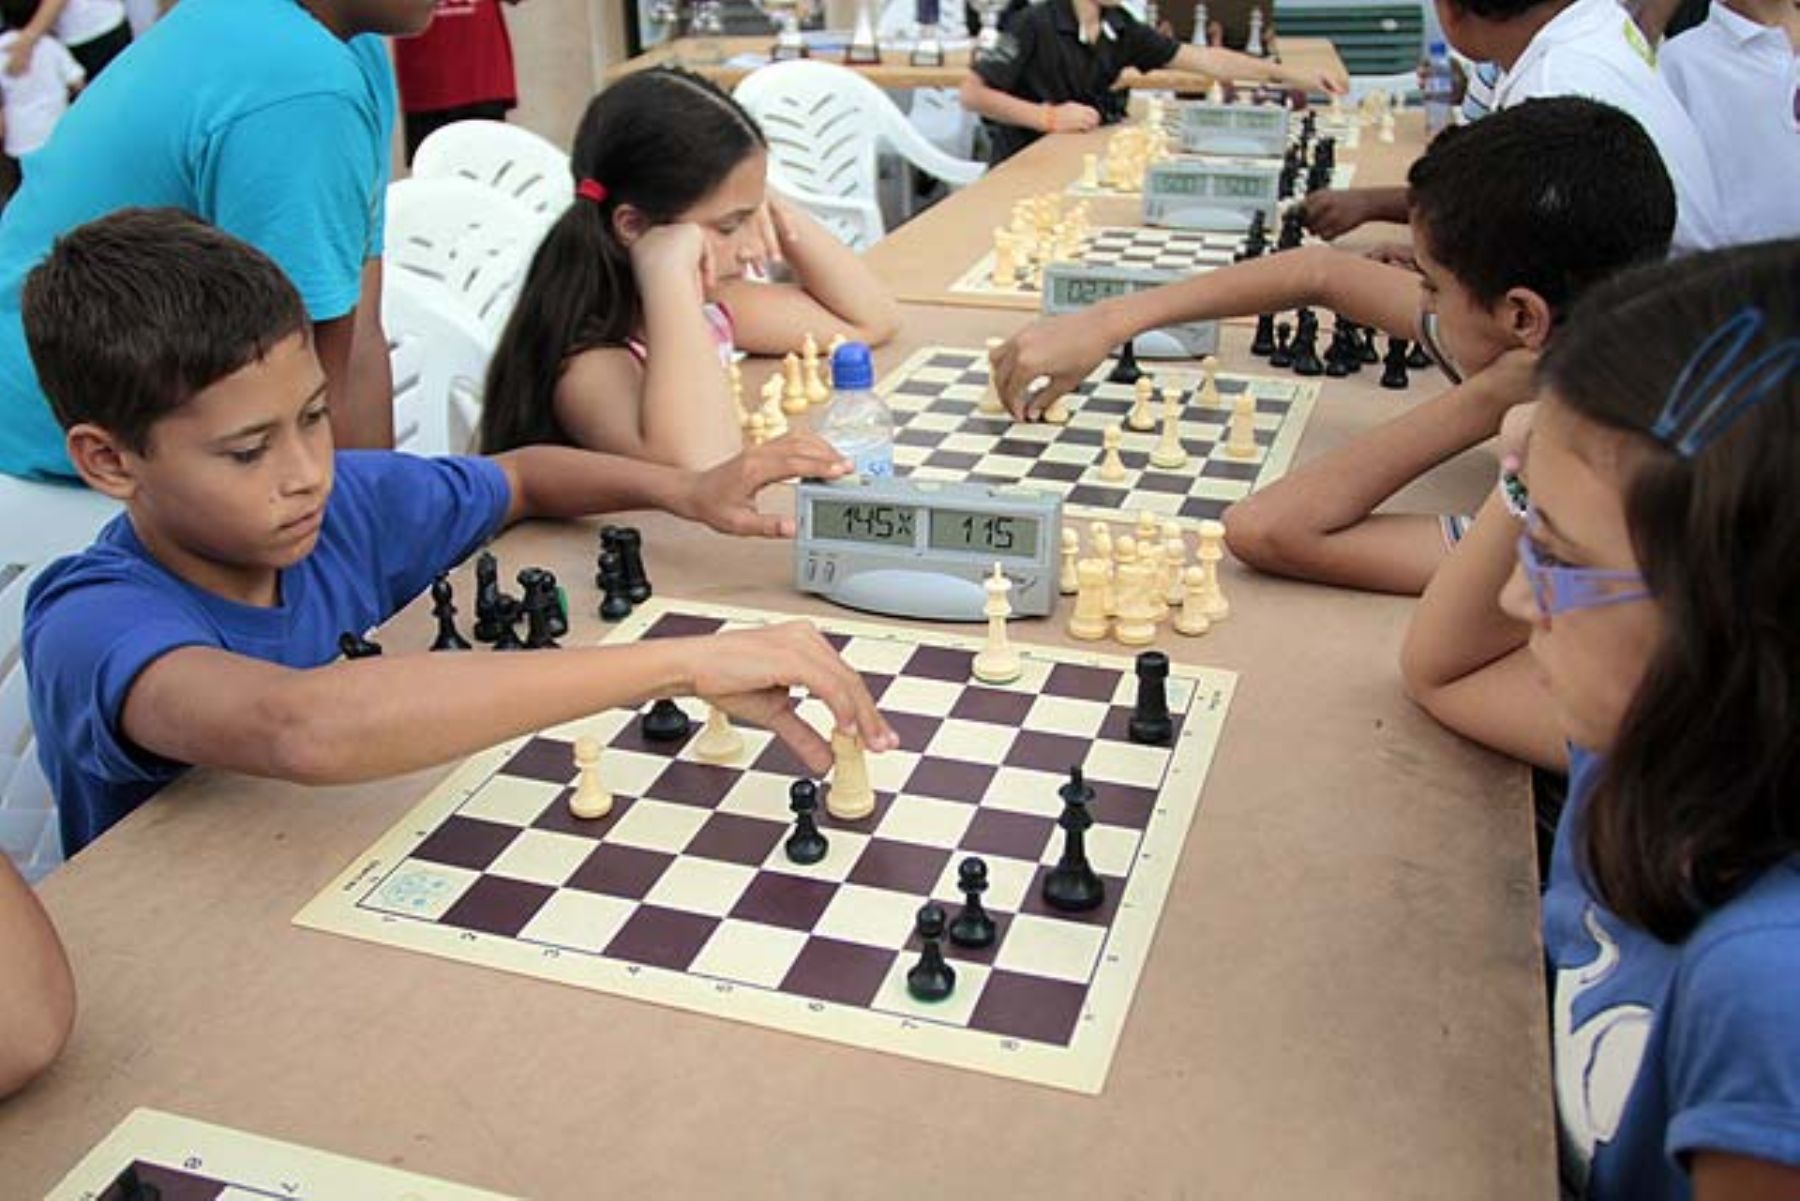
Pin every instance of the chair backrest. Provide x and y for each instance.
(439, 355)
(40, 521)
(527, 169)
(29, 834)
(463, 236)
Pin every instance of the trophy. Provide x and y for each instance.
(927, 50)
(863, 49)
(989, 11)
(787, 15)
(692, 28)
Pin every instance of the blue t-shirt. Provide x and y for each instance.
(94, 620)
(247, 113)
(1662, 1051)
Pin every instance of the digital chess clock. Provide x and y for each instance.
(1071, 287)
(1194, 194)
(1260, 130)
(921, 548)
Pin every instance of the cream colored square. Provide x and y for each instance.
(842, 849)
(630, 773)
(873, 917)
(889, 770)
(543, 857)
(512, 800)
(758, 794)
(928, 698)
(1041, 946)
(749, 953)
(756, 741)
(970, 742)
(658, 826)
(604, 725)
(1009, 880)
(881, 656)
(696, 885)
(423, 890)
(1066, 715)
(926, 822)
(1021, 790)
(1110, 849)
(954, 1010)
(1127, 763)
(582, 921)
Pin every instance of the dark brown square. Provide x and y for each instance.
(684, 625)
(1082, 683)
(733, 838)
(498, 905)
(899, 866)
(466, 842)
(1002, 923)
(940, 663)
(661, 937)
(556, 817)
(777, 899)
(915, 730)
(777, 760)
(845, 972)
(1031, 1008)
(1014, 835)
(993, 706)
(1054, 753)
(547, 759)
(631, 737)
(1117, 726)
(1035, 904)
(1122, 805)
(950, 780)
(702, 785)
(620, 871)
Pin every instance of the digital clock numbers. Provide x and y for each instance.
(1254, 129)
(1071, 287)
(1195, 194)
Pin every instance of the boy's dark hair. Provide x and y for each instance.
(1553, 195)
(660, 141)
(130, 315)
(1701, 790)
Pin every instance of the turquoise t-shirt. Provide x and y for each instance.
(247, 113)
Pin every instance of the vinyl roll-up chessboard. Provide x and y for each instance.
(683, 895)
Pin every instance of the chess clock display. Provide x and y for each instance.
(1259, 130)
(921, 548)
(1191, 194)
(1071, 287)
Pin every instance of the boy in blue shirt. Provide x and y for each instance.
(202, 626)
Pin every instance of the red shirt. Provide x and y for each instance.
(464, 57)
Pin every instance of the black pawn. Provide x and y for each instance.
(973, 928)
(443, 607)
(1352, 353)
(1341, 352)
(613, 606)
(355, 646)
(1306, 346)
(805, 845)
(1393, 366)
(666, 722)
(1263, 343)
(631, 558)
(1150, 722)
(1292, 228)
(1072, 886)
(1370, 355)
(1126, 370)
(540, 607)
(1282, 355)
(559, 607)
(506, 616)
(487, 598)
(931, 979)
(1417, 358)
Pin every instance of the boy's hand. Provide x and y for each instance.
(1329, 80)
(1060, 349)
(1334, 212)
(18, 56)
(748, 673)
(725, 497)
(1070, 118)
(678, 251)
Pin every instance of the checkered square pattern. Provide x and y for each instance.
(684, 892)
(942, 435)
(1177, 251)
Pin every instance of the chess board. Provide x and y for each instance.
(941, 434)
(185, 1160)
(1341, 175)
(1345, 126)
(683, 895)
(1178, 251)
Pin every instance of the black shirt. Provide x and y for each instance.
(1041, 58)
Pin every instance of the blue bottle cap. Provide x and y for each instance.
(852, 368)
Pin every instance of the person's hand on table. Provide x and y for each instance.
(1059, 350)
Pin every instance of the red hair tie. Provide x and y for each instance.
(591, 189)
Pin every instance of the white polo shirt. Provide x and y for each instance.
(1740, 82)
(81, 21)
(1593, 49)
(36, 98)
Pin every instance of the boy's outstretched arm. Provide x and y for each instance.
(1319, 522)
(37, 991)
(1221, 63)
(1064, 349)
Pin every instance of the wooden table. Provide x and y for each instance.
(712, 57)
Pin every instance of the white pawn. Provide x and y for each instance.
(718, 741)
(1386, 132)
(997, 662)
(1174, 554)
(990, 396)
(1006, 260)
(1216, 93)
(590, 799)
(1240, 432)
(1069, 582)
(1147, 528)
(1139, 418)
(1090, 171)
(1168, 453)
(814, 384)
(1212, 548)
(1101, 543)
(1190, 621)
(793, 394)
(775, 422)
(850, 796)
(1089, 621)
(1209, 383)
(1135, 624)
(1058, 411)
(1112, 467)
(759, 429)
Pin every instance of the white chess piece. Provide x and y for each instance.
(718, 741)
(850, 796)
(1006, 261)
(1089, 621)
(1212, 548)
(997, 662)
(1240, 434)
(1190, 621)
(1112, 467)
(1174, 556)
(591, 799)
(1057, 412)
(793, 393)
(1209, 383)
(1147, 528)
(1090, 171)
(1139, 418)
(759, 429)
(1216, 93)
(1101, 543)
(1150, 555)
(1135, 624)
(1169, 454)
(990, 396)
(1386, 131)
(1069, 582)
(817, 393)
(831, 349)
(775, 422)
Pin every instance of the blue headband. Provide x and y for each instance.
(1713, 391)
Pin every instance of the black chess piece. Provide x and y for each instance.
(1370, 354)
(1263, 344)
(1325, 151)
(1126, 370)
(540, 607)
(559, 607)
(1341, 351)
(1318, 178)
(613, 605)
(1282, 355)
(1284, 189)
(1150, 723)
(1393, 365)
(355, 646)
(1418, 358)
(506, 617)
(1072, 885)
(805, 845)
(487, 596)
(1292, 228)
(973, 928)
(1306, 345)
(631, 558)
(931, 979)
(609, 541)
(665, 722)
(443, 607)
(1309, 126)
(1352, 347)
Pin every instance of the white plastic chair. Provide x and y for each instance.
(462, 236)
(439, 355)
(527, 169)
(29, 834)
(824, 124)
(38, 521)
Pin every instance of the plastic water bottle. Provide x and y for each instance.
(857, 422)
(1438, 87)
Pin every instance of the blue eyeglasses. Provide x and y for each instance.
(1561, 589)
